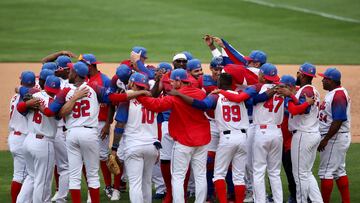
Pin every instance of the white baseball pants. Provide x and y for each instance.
(62, 164)
(83, 148)
(15, 143)
(181, 157)
(40, 165)
(139, 163)
(303, 153)
(249, 172)
(232, 149)
(267, 150)
(332, 159)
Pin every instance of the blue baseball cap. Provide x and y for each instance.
(331, 73)
(179, 74)
(62, 61)
(165, 66)
(288, 80)
(140, 80)
(88, 59)
(270, 72)
(123, 72)
(188, 55)
(80, 68)
(308, 69)
(138, 49)
(45, 73)
(193, 64)
(27, 78)
(257, 56)
(216, 62)
(49, 65)
(52, 84)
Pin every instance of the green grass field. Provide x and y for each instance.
(33, 29)
(352, 168)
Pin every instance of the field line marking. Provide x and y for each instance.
(304, 10)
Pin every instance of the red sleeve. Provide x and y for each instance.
(294, 99)
(235, 97)
(117, 98)
(308, 91)
(297, 109)
(21, 107)
(47, 112)
(156, 104)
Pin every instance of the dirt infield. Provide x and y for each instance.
(11, 72)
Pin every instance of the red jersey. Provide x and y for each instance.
(187, 125)
(101, 79)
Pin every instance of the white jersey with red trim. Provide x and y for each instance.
(341, 97)
(63, 84)
(306, 122)
(230, 115)
(141, 126)
(85, 111)
(270, 112)
(38, 123)
(17, 121)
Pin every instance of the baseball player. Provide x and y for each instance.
(190, 142)
(98, 78)
(194, 69)
(304, 126)
(232, 120)
(17, 133)
(267, 148)
(141, 144)
(290, 82)
(334, 120)
(39, 144)
(79, 105)
(61, 172)
(179, 61)
(61, 157)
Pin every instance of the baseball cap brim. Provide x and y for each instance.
(274, 78)
(141, 85)
(51, 90)
(248, 58)
(323, 75)
(308, 74)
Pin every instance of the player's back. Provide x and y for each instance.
(308, 121)
(17, 121)
(38, 122)
(270, 112)
(230, 115)
(141, 126)
(85, 111)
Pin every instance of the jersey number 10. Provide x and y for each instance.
(147, 116)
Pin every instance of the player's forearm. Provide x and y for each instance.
(334, 128)
(156, 90)
(297, 109)
(186, 98)
(51, 57)
(117, 137)
(235, 97)
(111, 113)
(67, 108)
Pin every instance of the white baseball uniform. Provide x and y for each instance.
(306, 139)
(17, 133)
(140, 153)
(82, 138)
(232, 121)
(332, 159)
(61, 157)
(39, 146)
(267, 146)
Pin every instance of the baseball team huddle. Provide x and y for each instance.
(212, 136)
